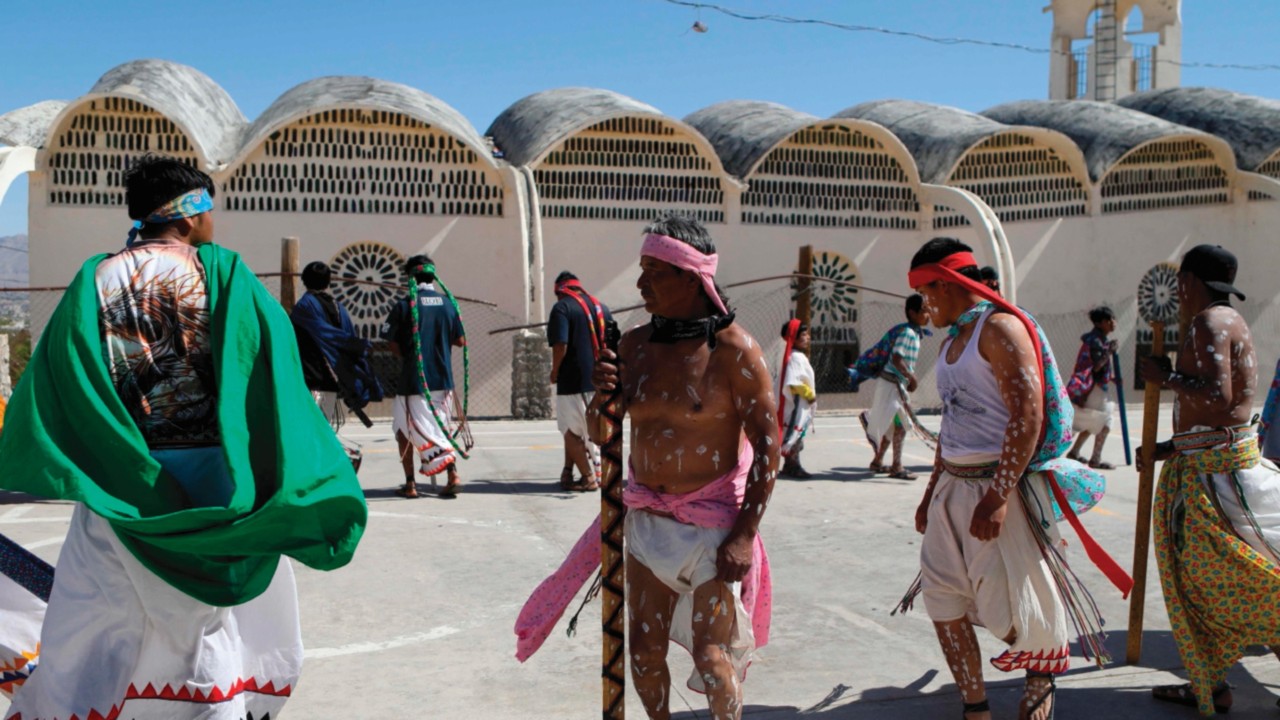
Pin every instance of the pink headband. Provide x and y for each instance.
(685, 257)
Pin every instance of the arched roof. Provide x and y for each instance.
(937, 136)
(1104, 132)
(536, 124)
(188, 97)
(1251, 125)
(744, 132)
(29, 125)
(345, 91)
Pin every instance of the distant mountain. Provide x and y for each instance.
(14, 270)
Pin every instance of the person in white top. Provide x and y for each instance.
(982, 562)
(797, 398)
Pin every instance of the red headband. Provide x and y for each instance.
(561, 287)
(926, 274)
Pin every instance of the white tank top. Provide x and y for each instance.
(974, 417)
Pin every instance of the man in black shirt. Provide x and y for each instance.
(575, 332)
(426, 376)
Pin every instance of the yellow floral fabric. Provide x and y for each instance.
(1222, 596)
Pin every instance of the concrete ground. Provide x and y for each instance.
(420, 624)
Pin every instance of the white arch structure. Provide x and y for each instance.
(14, 162)
(985, 223)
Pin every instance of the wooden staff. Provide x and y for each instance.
(1158, 305)
(612, 568)
(1146, 484)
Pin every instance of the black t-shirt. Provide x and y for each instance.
(569, 324)
(439, 327)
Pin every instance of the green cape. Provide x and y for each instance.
(67, 435)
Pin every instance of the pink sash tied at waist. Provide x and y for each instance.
(715, 505)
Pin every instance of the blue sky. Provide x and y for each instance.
(482, 56)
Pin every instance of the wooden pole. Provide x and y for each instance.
(613, 666)
(289, 269)
(1146, 483)
(803, 306)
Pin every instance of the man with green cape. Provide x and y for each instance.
(166, 399)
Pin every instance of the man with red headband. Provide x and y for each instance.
(796, 398)
(1217, 536)
(990, 549)
(575, 332)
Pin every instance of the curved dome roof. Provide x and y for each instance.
(1104, 132)
(29, 125)
(937, 135)
(535, 124)
(188, 97)
(744, 131)
(348, 91)
(1251, 125)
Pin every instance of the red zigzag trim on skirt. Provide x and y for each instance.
(184, 694)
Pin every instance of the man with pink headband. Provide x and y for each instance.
(704, 456)
(990, 554)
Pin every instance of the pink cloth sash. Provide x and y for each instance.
(714, 505)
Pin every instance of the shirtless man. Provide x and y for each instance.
(1215, 508)
(703, 426)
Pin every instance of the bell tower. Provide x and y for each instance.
(1106, 49)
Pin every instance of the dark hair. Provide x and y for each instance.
(153, 180)
(689, 231)
(565, 275)
(803, 327)
(417, 261)
(914, 304)
(941, 247)
(1101, 313)
(989, 273)
(316, 276)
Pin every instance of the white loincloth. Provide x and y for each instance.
(571, 417)
(885, 406)
(1250, 500)
(23, 614)
(1097, 413)
(683, 557)
(412, 418)
(119, 641)
(1003, 584)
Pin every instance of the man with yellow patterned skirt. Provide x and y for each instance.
(1217, 502)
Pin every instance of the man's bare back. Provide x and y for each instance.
(1221, 371)
(688, 406)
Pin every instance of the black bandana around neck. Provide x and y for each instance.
(668, 330)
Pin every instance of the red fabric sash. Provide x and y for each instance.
(591, 307)
(793, 331)
(946, 271)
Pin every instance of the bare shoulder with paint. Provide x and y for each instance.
(684, 426)
(1221, 368)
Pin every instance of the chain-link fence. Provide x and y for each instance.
(762, 309)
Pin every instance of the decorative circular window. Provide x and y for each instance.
(833, 304)
(1158, 295)
(368, 277)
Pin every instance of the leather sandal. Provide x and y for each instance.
(1049, 695)
(1185, 696)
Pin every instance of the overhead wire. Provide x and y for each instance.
(852, 27)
